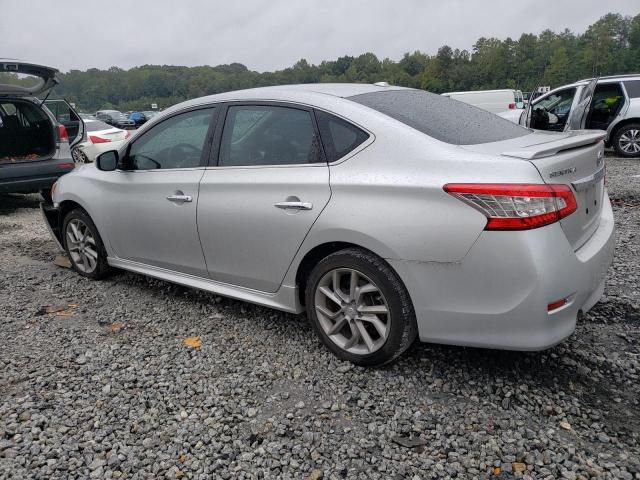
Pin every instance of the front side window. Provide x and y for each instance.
(338, 136)
(174, 143)
(552, 112)
(268, 135)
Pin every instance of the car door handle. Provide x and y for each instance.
(180, 198)
(294, 205)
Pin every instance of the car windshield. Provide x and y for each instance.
(440, 117)
(94, 126)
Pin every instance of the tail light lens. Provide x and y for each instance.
(512, 106)
(62, 134)
(516, 206)
(95, 139)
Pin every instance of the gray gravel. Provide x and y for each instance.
(107, 389)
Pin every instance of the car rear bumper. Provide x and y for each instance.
(497, 296)
(31, 177)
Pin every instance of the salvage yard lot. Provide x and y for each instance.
(106, 388)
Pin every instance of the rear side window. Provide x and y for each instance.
(338, 136)
(440, 117)
(94, 126)
(633, 88)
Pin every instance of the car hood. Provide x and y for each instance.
(46, 78)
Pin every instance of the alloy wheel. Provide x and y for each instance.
(352, 311)
(82, 246)
(629, 141)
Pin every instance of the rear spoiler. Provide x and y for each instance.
(576, 139)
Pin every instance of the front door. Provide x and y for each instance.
(152, 200)
(267, 189)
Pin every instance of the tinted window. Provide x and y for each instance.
(633, 88)
(94, 126)
(338, 136)
(266, 135)
(440, 117)
(175, 143)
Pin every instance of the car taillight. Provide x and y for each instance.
(512, 106)
(516, 206)
(95, 139)
(62, 133)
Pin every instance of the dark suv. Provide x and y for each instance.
(35, 147)
(115, 119)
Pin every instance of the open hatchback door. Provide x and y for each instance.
(25, 79)
(20, 80)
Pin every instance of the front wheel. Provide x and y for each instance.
(360, 308)
(84, 245)
(626, 141)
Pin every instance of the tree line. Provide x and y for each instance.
(609, 46)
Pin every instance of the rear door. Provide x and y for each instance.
(262, 195)
(67, 116)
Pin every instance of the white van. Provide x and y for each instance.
(494, 101)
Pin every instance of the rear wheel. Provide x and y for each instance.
(626, 141)
(360, 308)
(84, 245)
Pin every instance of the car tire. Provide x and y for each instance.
(79, 156)
(84, 245)
(351, 321)
(626, 141)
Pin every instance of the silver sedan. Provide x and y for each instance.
(385, 213)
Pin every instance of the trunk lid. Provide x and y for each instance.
(574, 158)
(28, 79)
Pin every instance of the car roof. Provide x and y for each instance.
(341, 90)
(607, 79)
(304, 93)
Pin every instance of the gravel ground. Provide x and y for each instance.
(107, 389)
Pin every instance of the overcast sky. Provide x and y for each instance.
(270, 34)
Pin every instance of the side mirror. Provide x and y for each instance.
(520, 105)
(108, 161)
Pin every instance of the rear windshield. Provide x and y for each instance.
(440, 117)
(93, 126)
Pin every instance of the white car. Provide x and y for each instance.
(493, 101)
(100, 138)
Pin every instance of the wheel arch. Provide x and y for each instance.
(619, 125)
(68, 205)
(312, 257)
